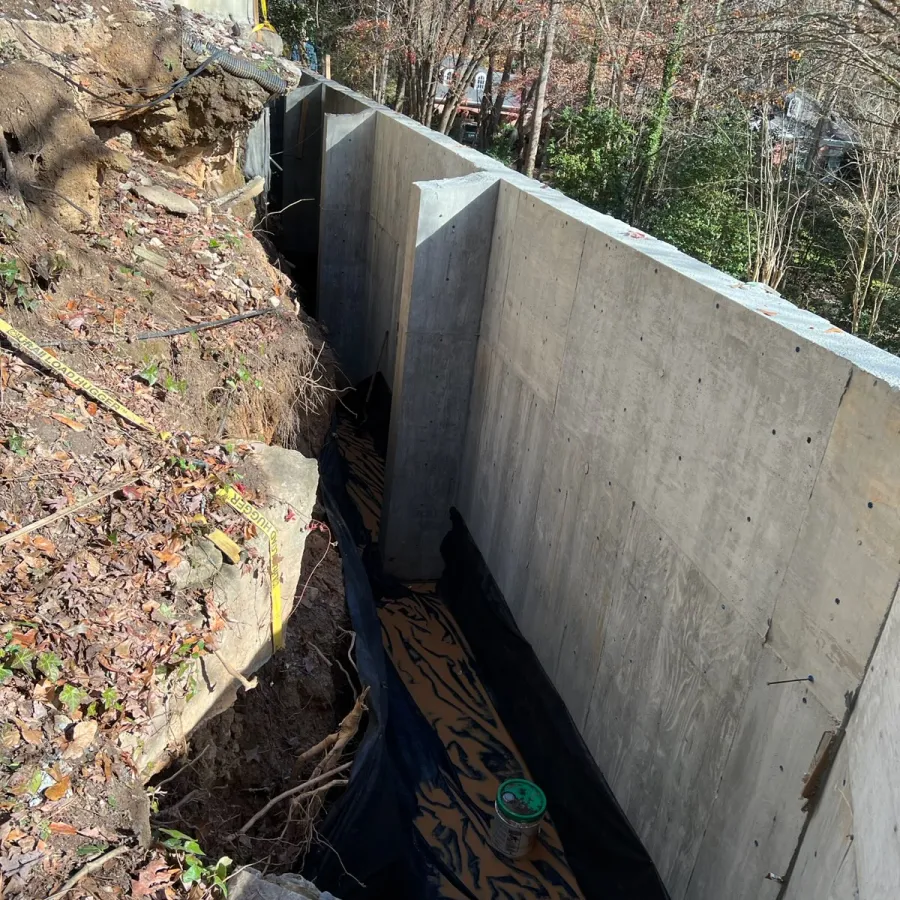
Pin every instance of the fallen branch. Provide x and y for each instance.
(252, 188)
(69, 510)
(86, 870)
(294, 791)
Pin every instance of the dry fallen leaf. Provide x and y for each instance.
(82, 738)
(75, 426)
(34, 736)
(45, 545)
(93, 565)
(10, 737)
(58, 790)
(151, 878)
(62, 828)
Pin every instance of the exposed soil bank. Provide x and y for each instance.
(249, 754)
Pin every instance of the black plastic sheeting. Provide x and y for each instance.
(370, 846)
(605, 854)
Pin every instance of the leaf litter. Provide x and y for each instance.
(95, 635)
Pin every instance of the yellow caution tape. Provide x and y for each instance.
(30, 348)
(226, 545)
(229, 494)
(265, 24)
(248, 511)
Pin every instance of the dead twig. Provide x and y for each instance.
(69, 510)
(86, 870)
(294, 791)
(203, 326)
(190, 795)
(185, 767)
(276, 212)
(88, 218)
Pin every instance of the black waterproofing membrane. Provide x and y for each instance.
(458, 702)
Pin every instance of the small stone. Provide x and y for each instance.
(275, 301)
(207, 257)
(140, 17)
(156, 242)
(256, 294)
(115, 160)
(149, 256)
(174, 203)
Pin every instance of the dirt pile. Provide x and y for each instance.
(126, 267)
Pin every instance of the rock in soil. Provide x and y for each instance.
(169, 200)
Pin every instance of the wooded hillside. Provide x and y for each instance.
(757, 135)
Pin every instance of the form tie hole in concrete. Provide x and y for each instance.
(871, 504)
(756, 843)
(804, 699)
(809, 440)
(837, 600)
(773, 431)
(748, 518)
(781, 768)
(717, 306)
(796, 349)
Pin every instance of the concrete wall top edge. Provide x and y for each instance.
(766, 302)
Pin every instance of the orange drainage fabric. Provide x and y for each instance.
(432, 659)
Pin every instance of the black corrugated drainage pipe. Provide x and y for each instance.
(242, 68)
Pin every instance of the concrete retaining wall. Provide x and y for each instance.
(685, 487)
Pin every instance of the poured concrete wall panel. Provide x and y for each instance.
(444, 269)
(348, 156)
(685, 487)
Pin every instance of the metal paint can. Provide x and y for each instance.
(518, 812)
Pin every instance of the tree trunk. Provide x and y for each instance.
(401, 90)
(650, 154)
(592, 73)
(704, 70)
(540, 95)
(502, 91)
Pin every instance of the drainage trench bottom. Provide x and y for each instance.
(431, 657)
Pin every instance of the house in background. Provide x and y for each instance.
(797, 125)
(470, 102)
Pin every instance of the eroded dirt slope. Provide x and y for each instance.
(111, 238)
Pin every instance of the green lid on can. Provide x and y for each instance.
(521, 800)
